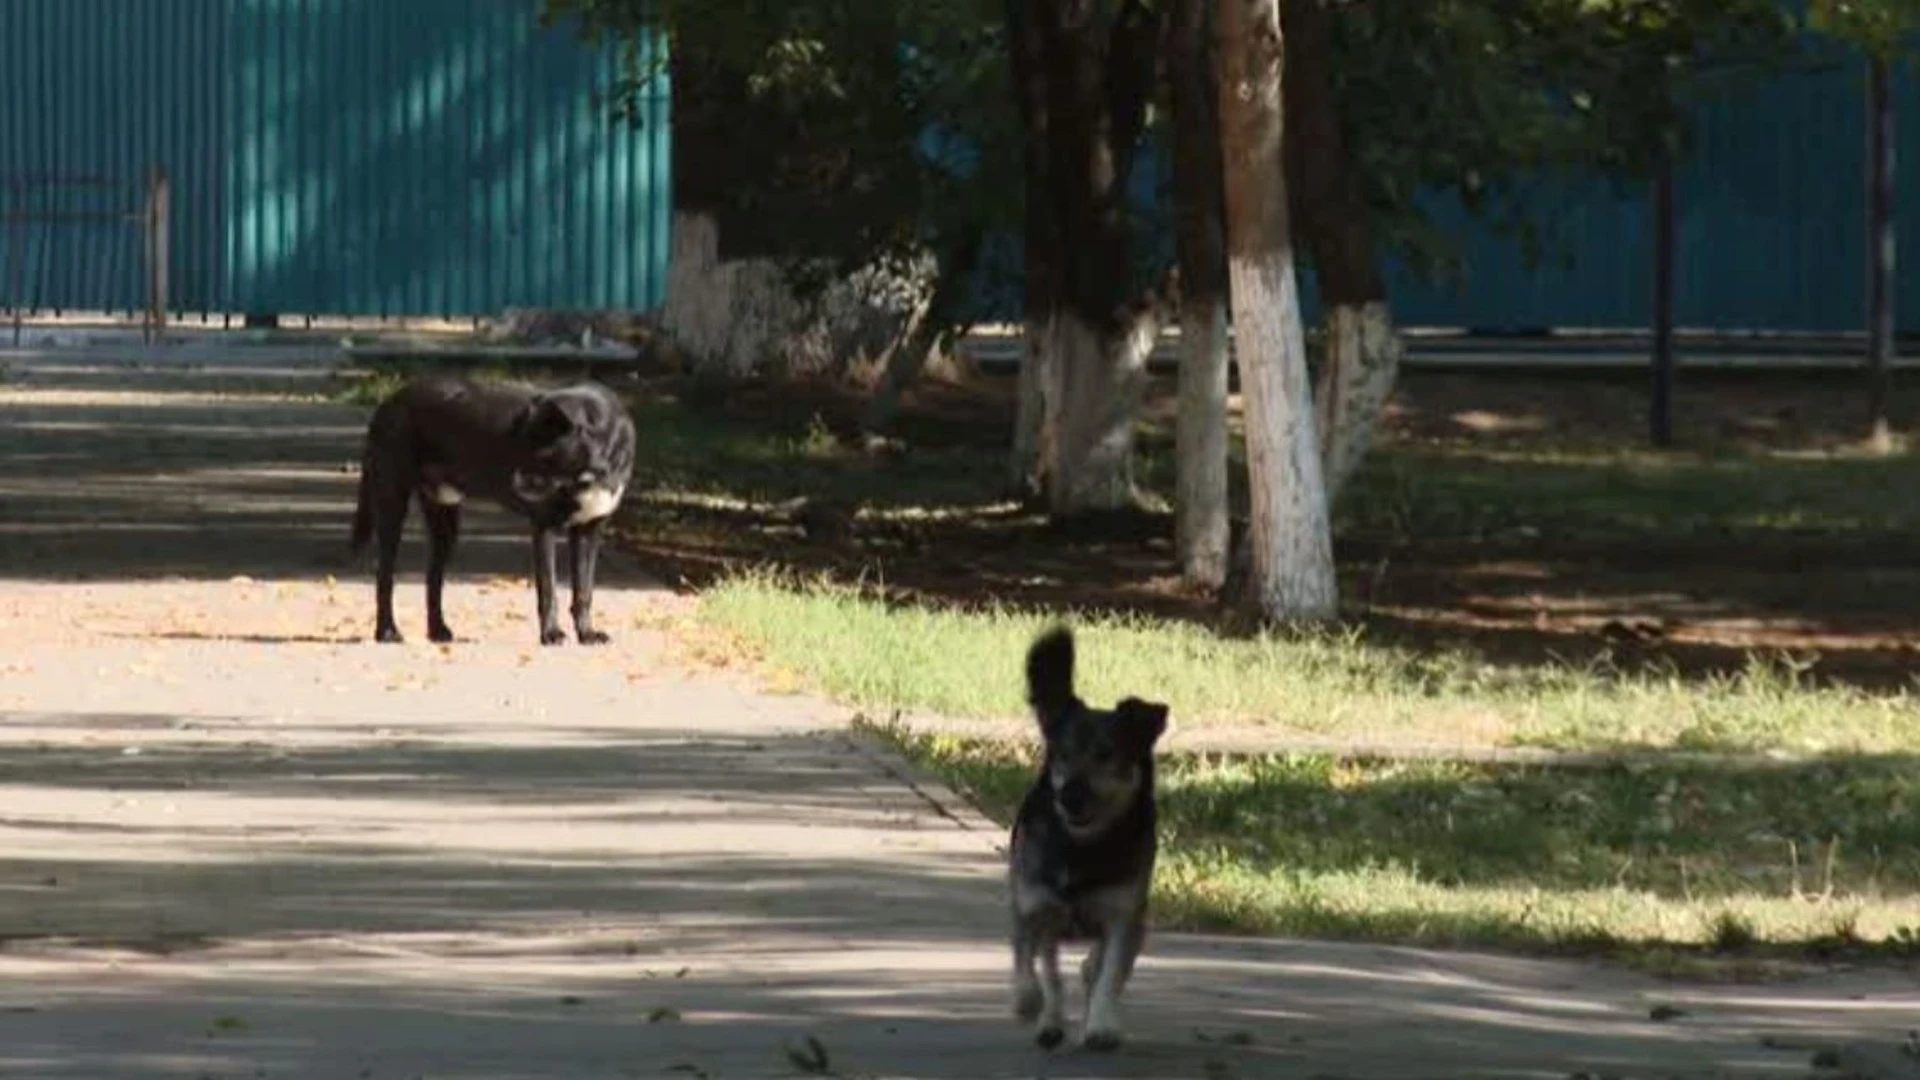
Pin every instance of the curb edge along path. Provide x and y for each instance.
(238, 841)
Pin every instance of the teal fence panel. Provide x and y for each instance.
(1770, 233)
(326, 157)
(1771, 210)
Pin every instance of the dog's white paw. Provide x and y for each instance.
(1103, 1025)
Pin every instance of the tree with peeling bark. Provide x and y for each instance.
(1290, 537)
(1084, 74)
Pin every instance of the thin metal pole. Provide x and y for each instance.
(1663, 278)
(1880, 251)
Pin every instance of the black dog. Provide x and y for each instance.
(1081, 860)
(560, 458)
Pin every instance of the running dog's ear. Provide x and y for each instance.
(1140, 724)
(1050, 678)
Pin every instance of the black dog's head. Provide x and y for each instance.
(555, 433)
(567, 448)
(1099, 761)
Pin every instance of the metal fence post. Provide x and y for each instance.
(158, 226)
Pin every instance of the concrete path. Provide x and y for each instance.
(237, 840)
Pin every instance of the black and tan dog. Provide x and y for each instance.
(560, 458)
(1083, 848)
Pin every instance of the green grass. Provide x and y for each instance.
(1463, 492)
(950, 662)
(1651, 859)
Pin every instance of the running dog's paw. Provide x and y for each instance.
(553, 636)
(1050, 1036)
(1101, 1040)
(593, 637)
(1028, 1001)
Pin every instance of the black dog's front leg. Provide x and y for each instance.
(583, 552)
(545, 551)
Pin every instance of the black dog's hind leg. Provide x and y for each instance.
(545, 551)
(390, 519)
(443, 533)
(583, 552)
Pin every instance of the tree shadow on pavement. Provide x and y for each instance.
(115, 480)
(205, 900)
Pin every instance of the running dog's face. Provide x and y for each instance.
(1098, 760)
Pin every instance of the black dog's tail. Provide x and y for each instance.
(363, 510)
(1050, 672)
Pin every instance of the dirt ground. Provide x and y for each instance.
(1697, 601)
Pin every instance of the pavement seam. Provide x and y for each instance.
(943, 800)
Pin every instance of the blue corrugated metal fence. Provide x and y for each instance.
(1771, 205)
(349, 157)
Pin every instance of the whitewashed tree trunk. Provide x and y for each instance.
(1201, 530)
(1028, 457)
(1201, 525)
(1095, 380)
(1357, 377)
(735, 318)
(1290, 536)
(724, 316)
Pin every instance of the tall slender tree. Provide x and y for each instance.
(1289, 534)
(1201, 521)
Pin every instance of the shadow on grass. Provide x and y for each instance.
(1646, 858)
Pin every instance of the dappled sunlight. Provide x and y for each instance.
(1489, 423)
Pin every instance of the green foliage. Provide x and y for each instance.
(802, 123)
(1490, 99)
(803, 127)
(1880, 28)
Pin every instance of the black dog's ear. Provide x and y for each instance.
(1050, 676)
(1141, 723)
(541, 422)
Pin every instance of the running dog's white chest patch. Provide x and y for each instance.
(446, 494)
(595, 502)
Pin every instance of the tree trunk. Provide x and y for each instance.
(1027, 467)
(1026, 479)
(1292, 572)
(1083, 83)
(1880, 260)
(1096, 375)
(1363, 353)
(1200, 514)
(1358, 372)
